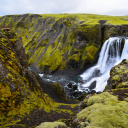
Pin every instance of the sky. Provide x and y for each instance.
(103, 7)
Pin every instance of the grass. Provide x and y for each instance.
(91, 18)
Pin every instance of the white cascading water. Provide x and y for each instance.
(110, 55)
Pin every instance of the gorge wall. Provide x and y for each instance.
(59, 43)
(20, 91)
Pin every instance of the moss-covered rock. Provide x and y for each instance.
(55, 90)
(117, 82)
(52, 125)
(103, 111)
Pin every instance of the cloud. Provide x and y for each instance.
(107, 7)
(104, 7)
(37, 6)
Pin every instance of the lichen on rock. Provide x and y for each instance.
(117, 83)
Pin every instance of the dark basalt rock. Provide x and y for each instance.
(76, 94)
(75, 87)
(102, 22)
(98, 92)
(69, 85)
(96, 73)
(92, 85)
(72, 63)
(92, 92)
(82, 97)
(73, 92)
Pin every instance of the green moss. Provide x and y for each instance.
(90, 51)
(116, 78)
(92, 18)
(52, 125)
(30, 38)
(51, 59)
(127, 61)
(123, 85)
(102, 98)
(120, 69)
(75, 57)
(104, 111)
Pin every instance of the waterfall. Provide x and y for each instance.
(112, 53)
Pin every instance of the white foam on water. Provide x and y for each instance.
(41, 75)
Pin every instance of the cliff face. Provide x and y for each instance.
(65, 42)
(20, 92)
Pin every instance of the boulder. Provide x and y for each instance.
(92, 85)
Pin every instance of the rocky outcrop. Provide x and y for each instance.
(117, 83)
(55, 90)
(57, 44)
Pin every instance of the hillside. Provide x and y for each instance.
(59, 43)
